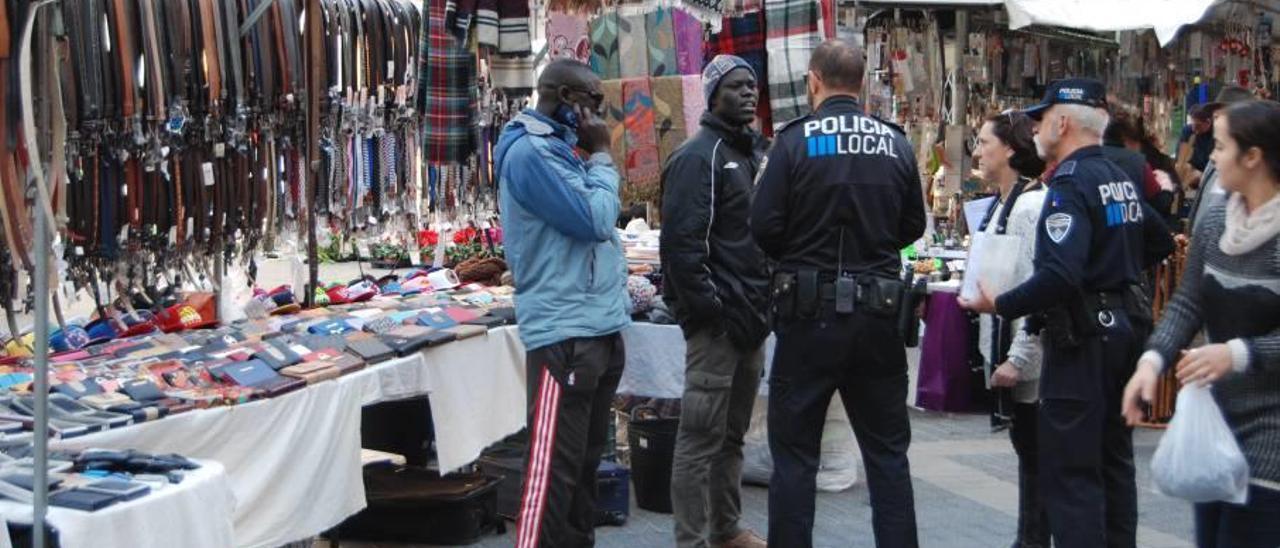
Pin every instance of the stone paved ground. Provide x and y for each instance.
(965, 492)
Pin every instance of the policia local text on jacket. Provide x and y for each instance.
(838, 198)
(716, 276)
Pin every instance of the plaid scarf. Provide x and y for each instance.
(744, 36)
(641, 138)
(447, 91)
(633, 46)
(604, 47)
(660, 35)
(689, 42)
(792, 36)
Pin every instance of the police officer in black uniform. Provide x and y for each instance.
(1095, 236)
(839, 196)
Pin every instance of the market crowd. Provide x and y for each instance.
(801, 238)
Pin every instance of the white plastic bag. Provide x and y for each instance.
(1199, 459)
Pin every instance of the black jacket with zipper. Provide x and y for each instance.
(714, 275)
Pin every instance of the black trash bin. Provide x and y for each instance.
(653, 446)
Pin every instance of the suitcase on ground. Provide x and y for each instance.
(613, 485)
(414, 505)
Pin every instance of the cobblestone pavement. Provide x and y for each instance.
(965, 491)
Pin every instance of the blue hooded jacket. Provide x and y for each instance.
(558, 216)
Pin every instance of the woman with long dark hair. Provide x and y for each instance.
(1006, 158)
(1231, 289)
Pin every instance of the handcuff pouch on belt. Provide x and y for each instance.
(804, 295)
(1093, 313)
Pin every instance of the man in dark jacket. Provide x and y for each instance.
(716, 283)
(838, 199)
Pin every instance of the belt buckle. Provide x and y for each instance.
(1106, 318)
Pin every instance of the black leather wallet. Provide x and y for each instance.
(370, 349)
(142, 390)
(488, 322)
(82, 499)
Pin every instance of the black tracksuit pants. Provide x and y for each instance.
(863, 357)
(571, 389)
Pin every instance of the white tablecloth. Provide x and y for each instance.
(196, 513)
(656, 358)
(294, 461)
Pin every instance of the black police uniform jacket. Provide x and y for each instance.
(840, 190)
(714, 276)
(1096, 234)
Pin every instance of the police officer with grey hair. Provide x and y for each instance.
(838, 198)
(1095, 237)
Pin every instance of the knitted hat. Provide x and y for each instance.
(717, 69)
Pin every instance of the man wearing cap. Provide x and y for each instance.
(838, 198)
(716, 283)
(1095, 237)
(1210, 193)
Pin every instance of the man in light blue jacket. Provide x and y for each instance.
(558, 214)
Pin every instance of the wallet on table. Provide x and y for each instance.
(258, 375)
(83, 499)
(312, 372)
(466, 331)
(407, 339)
(369, 348)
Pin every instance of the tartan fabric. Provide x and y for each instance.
(668, 114)
(447, 92)
(792, 34)
(604, 47)
(660, 35)
(641, 138)
(744, 36)
(689, 42)
(633, 46)
(513, 74)
(615, 117)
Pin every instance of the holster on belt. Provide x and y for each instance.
(1060, 326)
(915, 292)
(782, 295)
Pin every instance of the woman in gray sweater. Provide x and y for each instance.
(1231, 289)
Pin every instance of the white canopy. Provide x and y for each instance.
(1163, 16)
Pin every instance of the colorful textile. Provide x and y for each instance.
(567, 37)
(709, 7)
(694, 104)
(633, 46)
(689, 42)
(792, 35)
(604, 47)
(744, 36)
(641, 140)
(513, 74)
(660, 35)
(668, 114)
(500, 24)
(447, 91)
(615, 116)
(740, 7)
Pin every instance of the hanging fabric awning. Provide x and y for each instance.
(1165, 17)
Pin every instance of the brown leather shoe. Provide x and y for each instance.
(745, 539)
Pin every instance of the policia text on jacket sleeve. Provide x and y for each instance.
(838, 197)
(1094, 238)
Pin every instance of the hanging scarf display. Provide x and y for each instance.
(793, 33)
(690, 40)
(567, 37)
(615, 117)
(447, 91)
(633, 46)
(642, 164)
(669, 115)
(744, 36)
(604, 46)
(695, 103)
(661, 39)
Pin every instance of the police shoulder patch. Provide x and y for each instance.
(1057, 226)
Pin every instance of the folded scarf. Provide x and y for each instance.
(1246, 230)
(615, 117)
(695, 103)
(689, 42)
(642, 141)
(512, 74)
(567, 37)
(604, 47)
(633, 46)
(660, 35)
(447, 91)
(668, 114)
(792, 34)
(744, 36)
